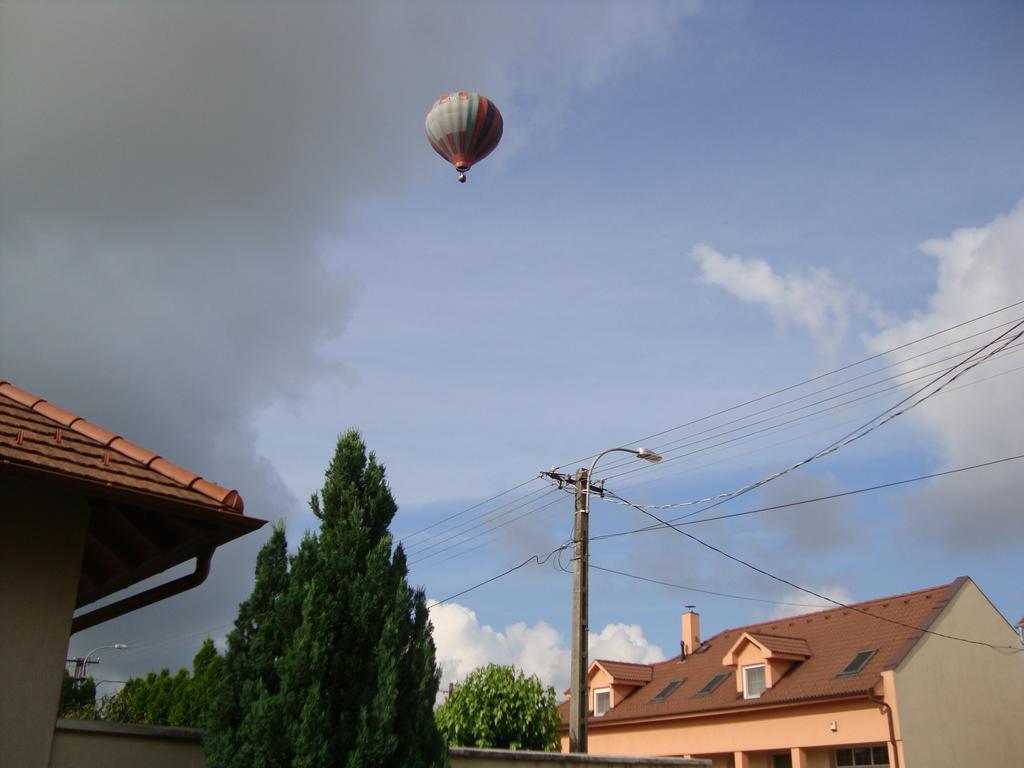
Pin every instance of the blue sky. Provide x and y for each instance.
(693, 205)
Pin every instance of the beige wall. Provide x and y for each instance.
(92, 744)
(858, 721)
(601, 679)
(960, 704)
(42, 539)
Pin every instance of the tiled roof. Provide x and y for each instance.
(831, 638)
(145, 513)
(35, 434)
(627, 672)
(789, 646)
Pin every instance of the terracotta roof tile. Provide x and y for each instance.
(831, 638)
(146, 515)
(36, 435)
(626, 672)
(790, 646)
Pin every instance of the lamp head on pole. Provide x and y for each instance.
(648, 455)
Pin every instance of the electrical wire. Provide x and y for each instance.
(461, 533)
(801, 502)
(784, 424)
(496, 496)
(886, 416)
(663, 448)
(707, 591)
(469, 537)
(495, 513)
(539, 559)
(810, 380)
(463, 530)
(811, 592)
(489, 530)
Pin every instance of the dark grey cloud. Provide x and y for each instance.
(166, 173)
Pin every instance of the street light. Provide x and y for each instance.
(82, 663)
(580, 598)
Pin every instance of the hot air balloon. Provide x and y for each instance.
(463, 128)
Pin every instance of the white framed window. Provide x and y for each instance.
(602, 700)
(753, 681)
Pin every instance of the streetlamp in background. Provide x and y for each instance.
(82, 662)
(580, 597)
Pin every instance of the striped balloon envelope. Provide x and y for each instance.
(463, 128)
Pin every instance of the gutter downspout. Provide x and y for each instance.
(892, 731)
(150, 596)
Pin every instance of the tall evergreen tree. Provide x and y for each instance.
(352, 678)
(249, 686)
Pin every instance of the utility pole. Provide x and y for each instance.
(579, 689)
(580, 616)
(79, 674)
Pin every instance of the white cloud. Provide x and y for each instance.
(463, 644)
(979, 269)
(624, 642)
(815, 302)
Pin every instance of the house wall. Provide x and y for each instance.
(601, 679)
(960, 704)
(749, 654)
(762, 730)
(93, 744)
(462, 757)
(42, 540)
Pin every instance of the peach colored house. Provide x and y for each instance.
(875, 684)
(85, 514)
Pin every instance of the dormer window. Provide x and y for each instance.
(602, 700)
(754, 683)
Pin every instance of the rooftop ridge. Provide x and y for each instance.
(858, 605)
(228, 497)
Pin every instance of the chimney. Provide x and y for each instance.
(691, 631)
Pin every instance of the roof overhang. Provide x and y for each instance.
(133, 535)
(732, 655)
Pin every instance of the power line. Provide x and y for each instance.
(461, 533)
(871, 425)
(801, 502)
(437, 542)
(495, 513)
(707, 591)
(810, 380)
(539, 559)
(811, 592)
(784, 424)
(467, 509)
(489, 530)
(464, 536)
(805, 434)
(661, 448)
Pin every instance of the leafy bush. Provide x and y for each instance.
(500, 707)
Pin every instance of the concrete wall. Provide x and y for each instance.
(960, 704)
(95, 744)
(498, 758)
(42, 540)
